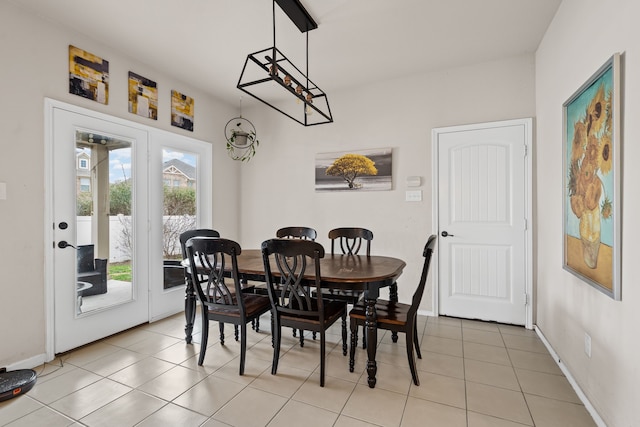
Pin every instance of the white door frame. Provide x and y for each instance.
(528, 125)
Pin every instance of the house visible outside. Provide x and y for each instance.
(176, 173)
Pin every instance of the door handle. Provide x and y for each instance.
(63, 244)
(445, 234)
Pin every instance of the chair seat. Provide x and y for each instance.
(333, 310)
(254, 305)
(389, 312)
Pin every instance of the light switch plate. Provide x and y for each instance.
(3, 191)
(413, 195)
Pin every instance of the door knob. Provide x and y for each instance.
(63, 225)
(63, 244)
(445, 234)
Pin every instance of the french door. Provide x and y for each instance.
(483, 218)
(108, 201)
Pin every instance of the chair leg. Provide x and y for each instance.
(256, 324)
(276, 334)
(393, 296)
(273, 328)
(205, 338)
(412, 361)
(354, 342)
(221, 333)
(243, 346)
(301, 338)
(322, 358)
(344, 334)
(235, 332)
(416, 340)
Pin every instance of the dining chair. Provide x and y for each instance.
(292, 300)
(222, 302)
(396, 317)
(305, 233)
(348, 241)
(208, 232)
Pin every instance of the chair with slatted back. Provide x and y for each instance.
(291, 293)
(190, 298)
(304, 233)
(222, 301)
(396, 317)
(349, 241)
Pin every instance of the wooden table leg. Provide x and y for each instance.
(189, 310)
(371, 329)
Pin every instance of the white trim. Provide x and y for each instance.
(528, 126)
(49, 320)
(583, 398)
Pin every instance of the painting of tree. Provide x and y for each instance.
(351, 166)
(364, 170)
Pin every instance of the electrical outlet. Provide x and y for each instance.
(587, 344)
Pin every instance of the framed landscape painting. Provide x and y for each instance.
(360, 170)
(591, 201)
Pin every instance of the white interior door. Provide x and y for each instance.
(482, 214)
(180, 201)
(89, 156)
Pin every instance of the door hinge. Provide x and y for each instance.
(526, 150)
(526, 299)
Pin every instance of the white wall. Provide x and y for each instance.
(278, 184)
(34, 65)
(583, 35)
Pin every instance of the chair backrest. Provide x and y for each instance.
(85, 258)
(294, 258)
(199, 232)
(350, 239)
(211, 256)
(426, 253)
(306, 233)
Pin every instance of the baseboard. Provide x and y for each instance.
(583, 398)
(426, 313)
(29, 363)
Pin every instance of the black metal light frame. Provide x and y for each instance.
(273, 66)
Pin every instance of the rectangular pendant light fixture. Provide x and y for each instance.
(270, 77)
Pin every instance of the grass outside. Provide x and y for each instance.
(120, 271)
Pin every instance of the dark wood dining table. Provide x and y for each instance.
(355, 272)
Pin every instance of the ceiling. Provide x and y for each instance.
(205, 42)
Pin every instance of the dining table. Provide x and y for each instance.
(363, 273)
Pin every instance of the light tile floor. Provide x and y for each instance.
(472, 373)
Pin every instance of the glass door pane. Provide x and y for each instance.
(104, 226)
(179, 182)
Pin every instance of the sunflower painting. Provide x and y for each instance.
(591, 187)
